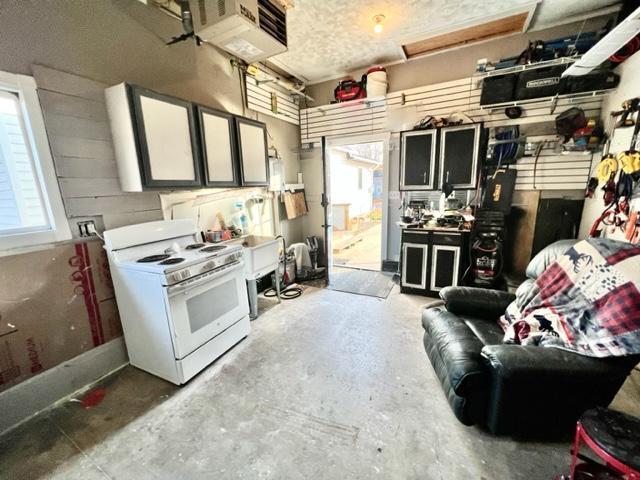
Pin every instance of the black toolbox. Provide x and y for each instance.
(498, 89)
(539, 82)
(600, 80)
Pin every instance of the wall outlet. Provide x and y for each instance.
(87, 228)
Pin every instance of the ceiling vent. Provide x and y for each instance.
(465, 35)
(252, 30)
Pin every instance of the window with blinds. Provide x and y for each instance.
(21, 205)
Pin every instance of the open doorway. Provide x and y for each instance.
(356, 185)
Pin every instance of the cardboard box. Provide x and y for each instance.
(54, 305)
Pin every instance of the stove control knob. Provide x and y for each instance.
(185, 273)
(175, 277)
(208, 266)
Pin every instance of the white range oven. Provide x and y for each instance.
(182, 303)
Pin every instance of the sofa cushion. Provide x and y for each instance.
(454, 351)
(547, 256)
(476, 302)
(488, 332)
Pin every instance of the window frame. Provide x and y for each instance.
(33, 123)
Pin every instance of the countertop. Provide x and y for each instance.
(405, 226)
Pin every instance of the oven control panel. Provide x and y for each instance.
(201, 268)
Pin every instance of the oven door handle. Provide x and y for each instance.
(186, 285)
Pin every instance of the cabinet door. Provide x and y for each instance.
(414, 265)
(445, 262)
(252, 152)
(219, 156)
(459, 154)
(167, 140)
(417, 164)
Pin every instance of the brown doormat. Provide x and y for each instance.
(362, 282)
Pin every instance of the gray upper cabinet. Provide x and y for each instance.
(460, 151)
(418, 160)
(219, 148)
(252, 152)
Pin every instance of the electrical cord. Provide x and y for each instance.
(290, 292)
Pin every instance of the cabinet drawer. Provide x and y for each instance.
(442, 238)
(411, 237)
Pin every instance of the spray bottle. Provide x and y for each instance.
(240, 217)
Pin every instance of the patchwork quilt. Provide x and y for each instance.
(588, 301)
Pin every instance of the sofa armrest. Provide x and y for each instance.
(534, 363)
(542, 391)
(476, 302)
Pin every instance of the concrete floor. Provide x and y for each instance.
(327, 386)
(366, 253)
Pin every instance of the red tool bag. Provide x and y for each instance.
(350, 89)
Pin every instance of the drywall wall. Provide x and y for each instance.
(108, 42)
(68, 44)
(621, 139)
(454, 64)
(445, 67)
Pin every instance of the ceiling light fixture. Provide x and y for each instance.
(377, 20)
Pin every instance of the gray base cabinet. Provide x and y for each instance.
(431, 260)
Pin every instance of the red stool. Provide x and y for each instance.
(612, 436)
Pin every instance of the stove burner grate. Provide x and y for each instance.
(154, 258)
(213, 248)
(194, 246)
(172, 261)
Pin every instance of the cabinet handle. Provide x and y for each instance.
(447, 180)
(424, 178)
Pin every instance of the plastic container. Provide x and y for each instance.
(240, 217)
(377, 84)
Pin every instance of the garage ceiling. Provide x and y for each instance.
(329, 38)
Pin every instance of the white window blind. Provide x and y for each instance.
(21, 205)
(31, 210)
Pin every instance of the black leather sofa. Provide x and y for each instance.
(512, 389)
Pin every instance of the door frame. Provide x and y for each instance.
(339, 141)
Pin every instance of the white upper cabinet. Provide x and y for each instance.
(252, 152)
(217, 137)
(154, 138)
(162, 142)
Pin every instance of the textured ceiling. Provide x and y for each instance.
(328, 38)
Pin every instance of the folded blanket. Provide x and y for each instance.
(587, 301)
